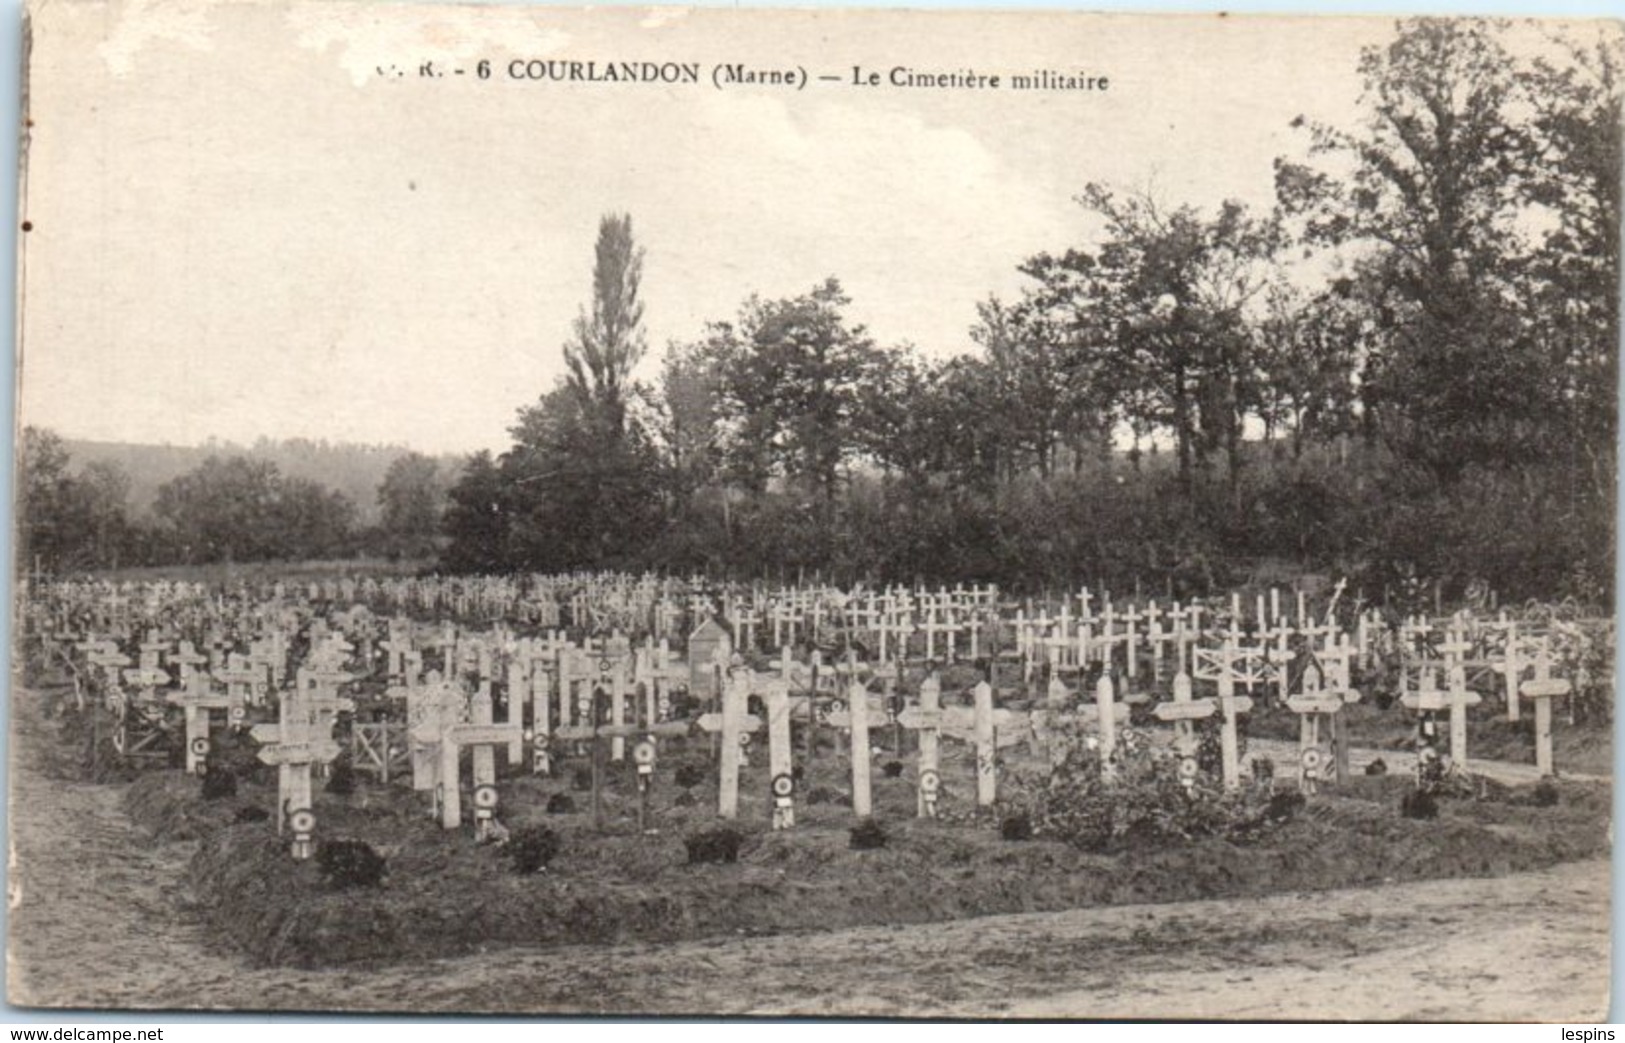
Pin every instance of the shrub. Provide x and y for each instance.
(561, 804)
(341, 779)
(1544, 795)
(868, 835)
(1284, 806)
(1016, 826)
(581, 780)
(685, 799)
(251, 814)
(690, 775)
(719, 845)
(219, 782)
(1419, 804)
(1377, 767)
(531, 848)
(892, 769)
(1143, 802)
(1210, 743)
(346, 864)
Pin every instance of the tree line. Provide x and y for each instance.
(229, 508)
(1405, 367)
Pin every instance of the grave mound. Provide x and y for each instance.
(446, 894)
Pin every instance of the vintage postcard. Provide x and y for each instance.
(846, 513)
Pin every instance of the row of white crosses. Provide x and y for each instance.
(981, 725)
(1457, 697)
(549, 673)
(269, 651)
(628, 717)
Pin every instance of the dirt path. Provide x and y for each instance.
(98, 919)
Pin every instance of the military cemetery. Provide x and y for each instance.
(941, 544)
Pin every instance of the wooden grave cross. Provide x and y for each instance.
(860, 712)
(1131, 642)
(329, 654)
(926, 720)
(429, 707)
(1461, 697)
(438, 739)
(898, 626)
(776, 706)
(1107, 714)
(152, 650)
(659, 672)
(321, 687)
(272, 651)
(1183, 711)
(1052, 715)
(934, 625)
(396, 647)
(1427, 700)
(1542, 689)
(732, 725)
(1155, 637)
(526, 684)
(106, 655)
(1453, 649)
(1318, 702)
(1281, 634)
(1230, 704)
(188, 659)
(1522, 652)
(483, 736)
(196, 700)
(616, 675)
(592, 731)
(294, 743)
(1221, 666)
(988, 729)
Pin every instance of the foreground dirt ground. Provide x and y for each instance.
(94, 923)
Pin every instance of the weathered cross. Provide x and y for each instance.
(449, 738)
(1543, 688)
(196, 699)
(188, 659)
(926, 719)
(733, 726)
(294, 743)
(1315, 703)
(860, 712)
(988, 729)
(1221, 666)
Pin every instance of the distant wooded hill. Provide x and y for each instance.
(354, 470)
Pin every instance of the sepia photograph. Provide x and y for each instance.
(836, 513)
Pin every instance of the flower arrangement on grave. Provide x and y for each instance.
(1210, 742)
(1144, 794)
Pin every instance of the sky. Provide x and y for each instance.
(240, 228)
